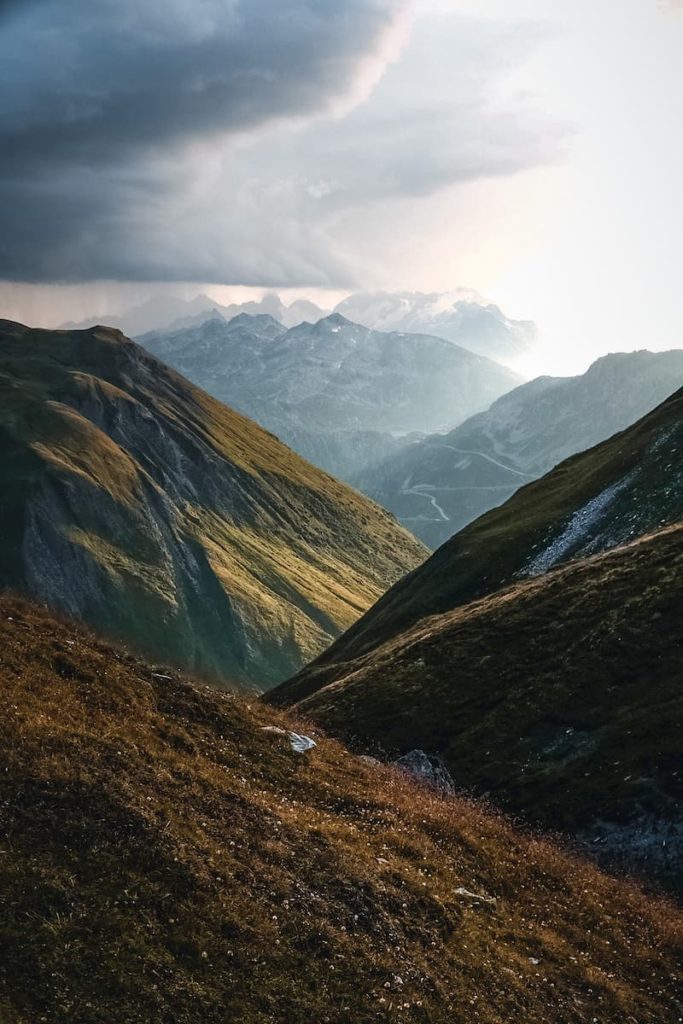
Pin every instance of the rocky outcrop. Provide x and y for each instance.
(430, 770)
(462, 317)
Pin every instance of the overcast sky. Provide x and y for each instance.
(528, 149)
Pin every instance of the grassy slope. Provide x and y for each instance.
(497, 547)
(560, 697)
(118, 437)
(165, 859)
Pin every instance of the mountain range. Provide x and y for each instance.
(168, 312)
(166, 855)
(341, 394)
(461, 317)
(437, 485)
(136, 502)
(539, 652)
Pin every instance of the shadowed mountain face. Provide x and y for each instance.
(624, 488)
(135, 501)
(167, 856)
(561, 698)
(340, 394)
(437, 485)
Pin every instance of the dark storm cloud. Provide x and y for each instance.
(144, 140)
(88, 79)
(94, 94)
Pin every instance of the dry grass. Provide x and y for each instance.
(560, 697)
(165, 859)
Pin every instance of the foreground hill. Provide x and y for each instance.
(340, 394)
(439, 484)
(168, 857)
(628, 486)
(560, 697)
(135, 501)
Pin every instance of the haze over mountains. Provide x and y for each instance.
(168, 312)
(340, 394)
(138, 503)
(437, 485)
(561, 689)
(462, 317)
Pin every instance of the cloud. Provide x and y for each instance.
(219, 140)
(92, 79)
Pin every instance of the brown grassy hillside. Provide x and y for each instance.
(560, 697)
(163, 858)
(135, 501)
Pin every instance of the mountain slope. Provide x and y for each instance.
(561, 698)
(439, 484)
(339, 393)
(137, 502)
(461, 317)
(623, 488)
(166, 857)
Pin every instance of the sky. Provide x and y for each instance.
(527, 149)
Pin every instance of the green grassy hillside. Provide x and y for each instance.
(561, 698)
(132, 499)
(165, 857)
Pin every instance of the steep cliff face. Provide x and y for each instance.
(135, 501)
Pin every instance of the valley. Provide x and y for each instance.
(483, 461)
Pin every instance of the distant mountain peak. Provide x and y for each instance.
(336, 320)
(462, 317)
(339, 393)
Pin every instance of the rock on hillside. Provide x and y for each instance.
(165, 856)
(340, 394)
(437, 485)
(135, 501)
(560, 698)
